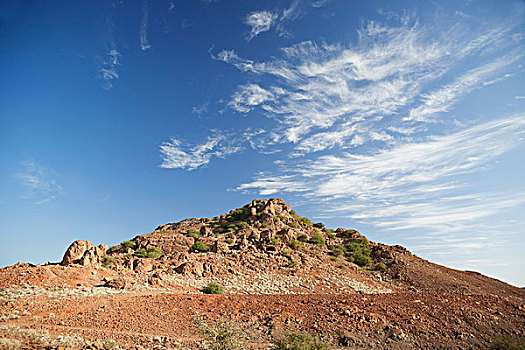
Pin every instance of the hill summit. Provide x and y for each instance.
(278, 273)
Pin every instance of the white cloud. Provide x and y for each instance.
(41, 183)
(143, 32)
(177, 155)
(332, 95)
(412, 185)
(108, 68)
(260, 21)
(249, 96)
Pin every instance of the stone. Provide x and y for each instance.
(206, 231)
(75, 252)
(117, 283)
(142, 265)
(191, 268)
(220, 247)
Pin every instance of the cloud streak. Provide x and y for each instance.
(260, 21)
(41, 183)
(143, 32)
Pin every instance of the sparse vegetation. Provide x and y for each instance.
(317, 238)
(199, 247)
(295, 244)
(349, 233)
(358, 252)
(319, 225)
(300, 341)
(212, 288)
(305, 221)
(509, 343)
(239, 214)
(229, 240)
(380, 266)
(129, 244)
(302, 237)
(222, 336)
(153, 252)
(108, 262)
(335, 250)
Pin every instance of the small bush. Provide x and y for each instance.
(335, 250)
(305, 221)
(229, 240)
(212, 288)
(292, 263)
(239, 214)
(319, 225)
(317, 238)
(129, 244)
(295, 244)
(222, 336)
(509, 343)
(199, 247)
(349, 233)
(302, 238)
(152, 252)
(380, 267)
(274, 241)
(358, 252)
(192, 231)
(108, 261)
(300, 341)
(293, 213)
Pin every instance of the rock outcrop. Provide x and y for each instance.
(83, 252)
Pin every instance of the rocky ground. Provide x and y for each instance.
(280, 274)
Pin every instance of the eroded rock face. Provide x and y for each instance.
(191, 268)
(83, 253)
(76, 251)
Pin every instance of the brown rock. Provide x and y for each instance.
(206, 231)
(75, 252)
(142, 265)
(191, 268)
(117, 283)
(220, 247)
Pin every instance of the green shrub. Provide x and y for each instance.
(349, 233)
(212, 288)
(319, 225)
(129, 244)
(115, 248)
(295, 244)
(293, 213)
(152, 252)
(380, 266)
(300, 341)
(274, 241)
(335, 250)
(199, 247)
(292, 263)
(305, 221)
(358, 252)
(317, 238)
(265, 225)
(229, 240)
(222, 336)
(239, 214)
(509, 343)
(108, 261)
(302, 237)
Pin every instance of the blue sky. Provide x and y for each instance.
(404, 119)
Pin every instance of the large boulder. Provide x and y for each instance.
(83, 253)
(76, 251)
(191, 268)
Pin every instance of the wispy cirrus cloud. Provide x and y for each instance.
(143, 32)
(108, 68)
(41, 183)
(260, 21)
(176, 154)
(328, 95)
(369, 128)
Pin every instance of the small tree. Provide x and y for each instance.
(212, 288)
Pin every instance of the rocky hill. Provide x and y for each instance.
(278, 272)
